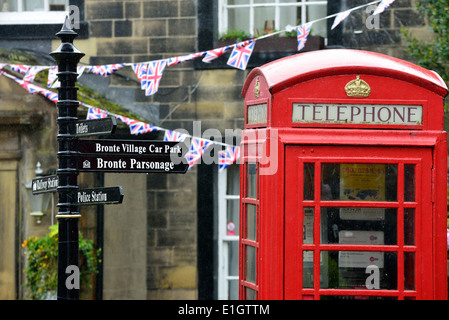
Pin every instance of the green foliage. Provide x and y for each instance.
(238, 35)
(42, 263)
(432, 55)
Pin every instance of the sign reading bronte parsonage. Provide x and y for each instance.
(130, 156)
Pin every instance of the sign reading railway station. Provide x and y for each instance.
(44, 184)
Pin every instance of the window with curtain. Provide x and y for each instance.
(32, 11)
(258, 17)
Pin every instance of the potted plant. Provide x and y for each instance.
(42, 264)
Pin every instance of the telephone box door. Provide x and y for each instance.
(358, 222)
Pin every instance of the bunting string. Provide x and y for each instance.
(150, 73)
(197, 145)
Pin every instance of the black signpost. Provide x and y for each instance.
(91, 155)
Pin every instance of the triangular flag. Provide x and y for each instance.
(340, 17)
(105, 70)
(153, 76)
(174, 136)
(302, 34)
(52, 80)
(215, 53)
(383, 5)
(227, 157)
(96, 113)
(241, 54)
(32, 71)
(140, 69)
(196, 150)
(20, 68)
(139, 127)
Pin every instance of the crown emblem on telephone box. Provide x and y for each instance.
(358, 88)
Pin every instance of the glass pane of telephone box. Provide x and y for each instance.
(250, 264)
(358, 270)
(307, 269)
(409, 183)
(251, 181)
(308, 177)
(359, 226)
(359, 181)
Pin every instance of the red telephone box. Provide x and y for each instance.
(343, 179)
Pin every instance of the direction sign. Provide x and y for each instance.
(130, 164)
(94, 127)
(131, 147)
(44, 184)
(107, 195)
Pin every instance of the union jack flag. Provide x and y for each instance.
(240, 54)
(31, 88)
(96, 113)
(21, 68)
(32, 71)
(383, 5)
(52, 96)
(302, 34)
(52, 79)
(340, 17)
(175, 60)
(227, 157)
(52, 76)
(153, 76)
(105, 70)
(124, 119)
(139, 127)
(196, 150)
(174, 136)
(140, 69)
(215, 53)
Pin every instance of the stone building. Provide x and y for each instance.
(169, 238)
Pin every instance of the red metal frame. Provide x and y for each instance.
(320, 78)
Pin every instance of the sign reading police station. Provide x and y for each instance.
(409, 115)
(107, 195)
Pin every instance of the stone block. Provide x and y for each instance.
(179, 27)
(177, 238)
(177, 277)
(100, 29)
(150, 28)
(99, 10)
(123, 28)
(160, 9)
(133, 10)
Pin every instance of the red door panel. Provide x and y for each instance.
(358, 223)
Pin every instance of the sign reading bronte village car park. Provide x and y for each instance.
(130, 147)
(378, 114)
